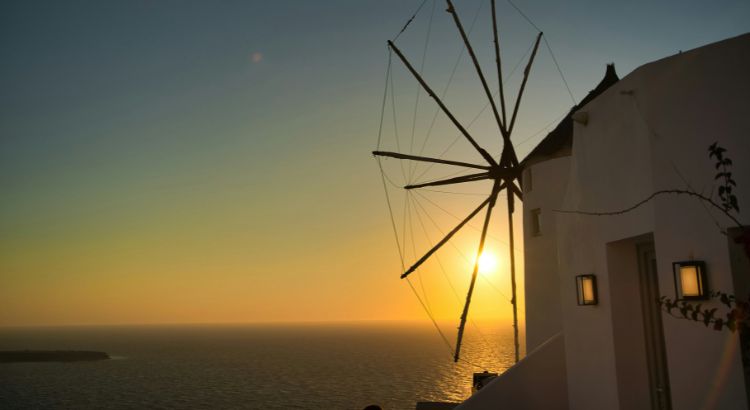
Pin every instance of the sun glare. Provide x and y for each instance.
(487, 262)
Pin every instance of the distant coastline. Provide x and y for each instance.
(13, 356)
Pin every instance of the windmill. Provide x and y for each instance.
(504, 173)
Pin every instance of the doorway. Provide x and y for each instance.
(639, 348)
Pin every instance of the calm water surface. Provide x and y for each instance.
(249, 366)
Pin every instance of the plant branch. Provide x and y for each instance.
(652, 196)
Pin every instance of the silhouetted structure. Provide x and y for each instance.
(51, 356)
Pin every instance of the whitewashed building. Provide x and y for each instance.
(628, 139)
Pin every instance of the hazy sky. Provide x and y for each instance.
(196, 161)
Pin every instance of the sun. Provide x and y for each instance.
(487, 262)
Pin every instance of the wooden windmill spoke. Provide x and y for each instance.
(447, 112)
(499, 65)
(504, 172)
(447, 237)
(516, 190)
(470, 49)
(523, 85)
(455, 180)
(508, 157)
(464, 315)
(428, 159)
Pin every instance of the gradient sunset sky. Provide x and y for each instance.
(196, 161)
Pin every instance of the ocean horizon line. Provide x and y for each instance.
(270, 323)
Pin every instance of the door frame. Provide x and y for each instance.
(653, 329)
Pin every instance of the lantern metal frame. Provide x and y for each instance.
(580, 295)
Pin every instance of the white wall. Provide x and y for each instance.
(543, 317)
(535, 382)
(635, 143)
(603, 171)
(713, 106)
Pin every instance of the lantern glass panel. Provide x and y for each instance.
(690, 280)
(586, 289)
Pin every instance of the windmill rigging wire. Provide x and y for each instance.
(390, 181)
(410, 20)
(454, 173)
(460, 252)
(437, 226)
(559, 70)
(395, 123)
(463, 255)
(524, 16)
(453, 288)
(385, 95)
(450, 80)
(413, 166)
(408, 280)
(431, 243)
(458, 300)
(474, 227)
(414, 252)
(393, 222)
(403, 226)
(453, 193)
(401, 258)
(549, 48)
(437, 257)
(409, 209)
(476, 117)
(527, 139)
(426, 308)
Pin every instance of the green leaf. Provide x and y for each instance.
(733, 203)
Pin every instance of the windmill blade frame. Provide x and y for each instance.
(505, 172)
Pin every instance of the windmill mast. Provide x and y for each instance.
(514, 299)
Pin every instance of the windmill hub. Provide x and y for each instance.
(499, 172)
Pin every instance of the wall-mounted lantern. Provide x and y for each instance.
(690, 280)
(586, 290)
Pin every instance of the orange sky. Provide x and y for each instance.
(212, 163)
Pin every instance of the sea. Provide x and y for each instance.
(260, 366)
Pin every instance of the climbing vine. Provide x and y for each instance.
(736, 316)
(723, 164)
